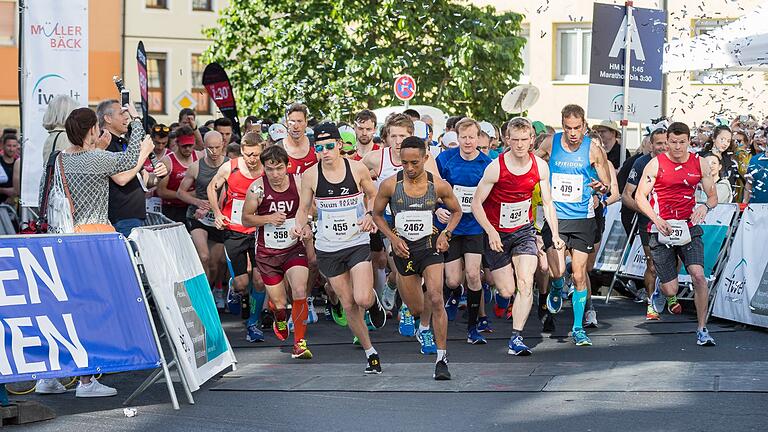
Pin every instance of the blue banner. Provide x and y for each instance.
(71, 305)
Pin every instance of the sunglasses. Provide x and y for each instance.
(349, 153)
(165, 129)
(319, 147)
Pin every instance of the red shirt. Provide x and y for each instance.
(512, 196)
(237, 188)
(357, 156)
(178, 171)
(299, 166)
(673, 195)
(273, 201)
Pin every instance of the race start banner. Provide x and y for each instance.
(180, 289)
(613, 240)
(606, 70)
(742, 291)
(71, 305)
(54, 61)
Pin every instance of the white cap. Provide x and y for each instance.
(420, 129)
(450, 139)
(488, 129)
(277, 132)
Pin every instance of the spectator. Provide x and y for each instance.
(722, 186)
(756, 190)
(721, 144)
(53, 121)
(610, 133)
(9, 169)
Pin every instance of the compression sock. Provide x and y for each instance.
(543, 301)
(257, 304)
(473, 306)
(299, 313)
(440, 355)
(579, 300)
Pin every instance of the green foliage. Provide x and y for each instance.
(339, 56)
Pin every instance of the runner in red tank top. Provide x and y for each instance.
(271, 206)
(671, 178)
(177, 163)
(502, 206)
(301, 155)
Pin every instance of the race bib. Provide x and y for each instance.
(680, 235)
(279, 237)
(209, 219)
(464, 194)
(413, 225)
(567, 187)
(513, 215)
(540, 220)
(340, 225)
(237, 211)
(155, 205)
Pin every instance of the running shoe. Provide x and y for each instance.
(463, 300)
(374, 364)
(484, 325)
(407, 326)
(555, 300)
(218, 297)
(281, 329)
(658, 300)
(254, 334)
(388, 297)
(355, 341)
(580, 338)
(367, 320)
(267, 319)
(441, 370)
(300, 350)
(548, 323)
(427, 340)
(487, 294)
(339, 314)
(517, 347)
(673, 306)
(475, 338)
(569, 289)
(651, 314)
(290, 324)
(452, 306)
(500, 305)
(590, 319)
(311, 313)
(703, 338)
(328, 312)
(377, 313)
(508, 313)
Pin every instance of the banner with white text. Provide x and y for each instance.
(54, 62)
(71, 305)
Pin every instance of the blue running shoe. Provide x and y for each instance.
(555, 300)
(517, 347)
(474, 337)
(452, 307)
(580, 338)
(368, 322)
(407, 325)
(487, 294)
(658, 299)
(254, 334)
(311, 312)
(703, 338)
(427, 340)
(569, 289)
(484, 325)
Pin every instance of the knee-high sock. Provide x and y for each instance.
(380, 281)
(579, 300)
(257, 304)
(473, 306)
(299, 313)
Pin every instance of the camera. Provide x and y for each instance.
(124, 93)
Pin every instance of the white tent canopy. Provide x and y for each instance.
(742, 44)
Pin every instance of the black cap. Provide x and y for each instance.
(325, 131)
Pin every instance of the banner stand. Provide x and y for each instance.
(166, 366)
(618, 273)
(722, 261)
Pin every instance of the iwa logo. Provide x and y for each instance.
(734, 285)
(59, 35)
(617, 105)
(50, 85)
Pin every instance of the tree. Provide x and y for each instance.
(339, 56)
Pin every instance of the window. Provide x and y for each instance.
(156, 82)
(8, 13)
(202, 5)
(573, 49)
(157, 4)
(198, 90)
(715, 76)
(525, 54)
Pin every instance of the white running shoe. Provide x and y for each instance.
(49, 386)
(590, 319)
(94, 389)
(388, 297)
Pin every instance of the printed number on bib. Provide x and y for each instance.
(237, 212)
(567, 187)
(680, 235)
(155, 205)
(278, 237)
(413, 225)
(341, 225)
(513, 215)
(464, 194)
(208, 220)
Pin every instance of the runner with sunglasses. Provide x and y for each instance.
(160, 137)
(342, 191)
(177, 163)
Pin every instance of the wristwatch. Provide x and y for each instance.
(708, 207)
(369, 213)
(448, 234)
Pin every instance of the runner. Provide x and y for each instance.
(658, 146)
(239, 242)
(301, 156)
(462, 168)
(271, 207)
(365, 127)
(340, 189)
(671, 179)
(502, 205)
(177, 163)
(417, 246)
(159, 135)
(578, 169)
(200, 218)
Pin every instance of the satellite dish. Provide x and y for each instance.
(520, 98)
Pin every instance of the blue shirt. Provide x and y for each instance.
(459, 172)
(569, 172)
(757, 171)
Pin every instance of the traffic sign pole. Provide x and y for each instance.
(627, 65)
